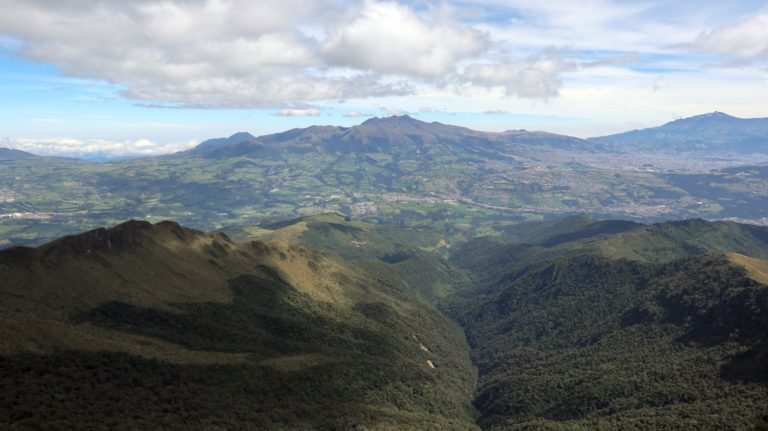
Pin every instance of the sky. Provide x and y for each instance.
(118, 78)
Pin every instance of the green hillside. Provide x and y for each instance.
(644, 329)
(145, 326)
(325, 322)
(415, 255)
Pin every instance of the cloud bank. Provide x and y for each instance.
(100, 148)
(264, 54)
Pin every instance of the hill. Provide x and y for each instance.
(156, 325)
(713, 132)
(652, 327)
(417, 255)
(10, 153)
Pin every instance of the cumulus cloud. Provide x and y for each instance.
(203, 53)
(536, 77)
(240, 53)
(747, 38)
(391, 38)
(77, 148)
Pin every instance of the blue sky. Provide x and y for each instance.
(147, 77)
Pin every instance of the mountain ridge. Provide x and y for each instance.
(197, 330)
(567, 334)
(385, 134)
(10, 153)
(324, 317)
(711, 132)
(664, 138)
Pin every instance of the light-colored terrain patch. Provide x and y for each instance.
(440, 245)
(289, 234)
(316, 274)
(756, 268)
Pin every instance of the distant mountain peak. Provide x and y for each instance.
(394, 119)
(241, 136)
(716, 115)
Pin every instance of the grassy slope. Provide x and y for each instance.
(145, 325)
(756, 268)
(413, 255)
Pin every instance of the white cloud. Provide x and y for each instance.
(391, 38)
(288, 54)
(204, 53)
(354, 114)
(239, 53)
(747, 38)
(298, 112)
(538, 77)
(594, 25)
(71, 147)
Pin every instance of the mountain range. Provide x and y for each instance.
(325, 322)
(712, 132)
(395, 170)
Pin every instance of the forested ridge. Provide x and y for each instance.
(573, 337)
(331, 323)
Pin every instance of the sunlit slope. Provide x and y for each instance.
(414, 255)
(756, 268)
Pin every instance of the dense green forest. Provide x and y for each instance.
(326, 322)
(569, 337)
(372, 357)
